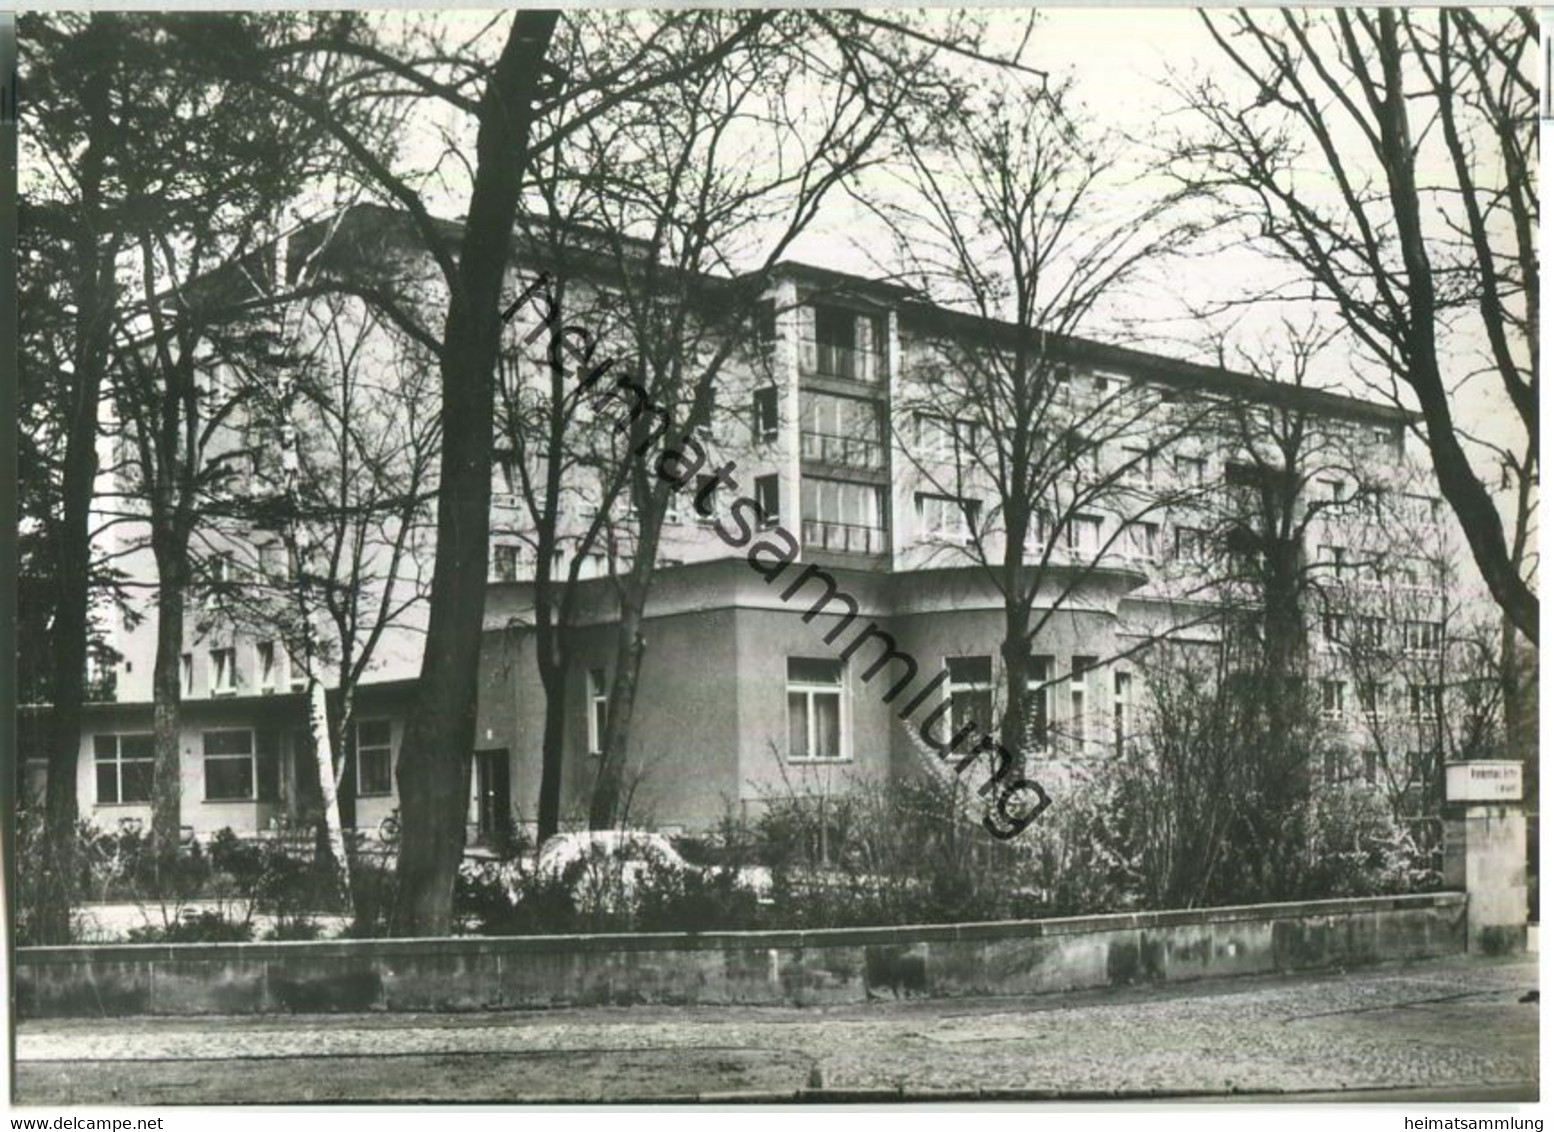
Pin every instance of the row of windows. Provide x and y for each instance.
(1424, 702)
(240, 765)
(818, 725)
(269, 670)
(1361, 631)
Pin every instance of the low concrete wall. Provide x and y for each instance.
(783, 967)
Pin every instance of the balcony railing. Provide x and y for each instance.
(843, 451)
(847, 538)
(829, 359)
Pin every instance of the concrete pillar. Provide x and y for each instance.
(1485, 852)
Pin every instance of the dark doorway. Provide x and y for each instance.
(493, 794)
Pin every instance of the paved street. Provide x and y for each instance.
(1422, 1031)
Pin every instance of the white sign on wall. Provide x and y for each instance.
(1484, 782)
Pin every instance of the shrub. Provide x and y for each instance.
(206, 927)
(298, 929)
(669, 899)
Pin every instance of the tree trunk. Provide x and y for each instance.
(553, 749)
(328, 785)
(630, 646)
(166, 696)
(434, 763)
(1016, 651)
(73, 547)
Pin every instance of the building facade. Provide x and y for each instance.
(872, 527)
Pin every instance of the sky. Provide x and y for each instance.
(1119, 59)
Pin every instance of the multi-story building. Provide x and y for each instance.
(758, 679)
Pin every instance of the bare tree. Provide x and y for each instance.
(1002, 218)
(698, 187)
(71, 72)
(1428, 274)
(326, 519)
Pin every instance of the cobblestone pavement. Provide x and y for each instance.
(1449, 1026)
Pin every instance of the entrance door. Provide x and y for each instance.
(493, 794)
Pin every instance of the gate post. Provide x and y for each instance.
(1485, 852)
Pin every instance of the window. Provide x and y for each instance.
(598, 701)
(229, 766)
(1369, 694)
(124, 768)
(840, 430)
(705, 428)
(841, 343)
(1331, 559)
(1424, 702)
(1414, 571)
(814, 709)
(504, 562)
(766, 321)
(945, 518)
(1190, 470)
(1084, 534)
(945, 439)
(1122, 707)
(1335, 765)
(1332, 491)
(971, 691)
(1333, 628)
(1333, 699)
(1063, 386)
(1138, 466)
(595, 564)
(186, 667)
(264, 664)
(1038, 701)
(506, 482)
(221, 569)
(1141, 541)
(1077, 680)
(223, 671)
(705, 501)
(1423, 637)
(1369, 632)
(768, 499)
(272, 561)
(764, 412)
(1191, 543)
(374, 758)
(842, 515)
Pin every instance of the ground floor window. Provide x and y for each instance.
(374, 758)
(598, 702)
(971, 692)
(1038, 701)
(815, 709)
(229, 766)
(124, 765)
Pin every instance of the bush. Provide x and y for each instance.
(671, 899)
(298, 929)
(488, 900)
(206, 927)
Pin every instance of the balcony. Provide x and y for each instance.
(842, 451)
(845, 538)
(847, 363)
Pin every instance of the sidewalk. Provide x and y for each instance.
(1449, 1028)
